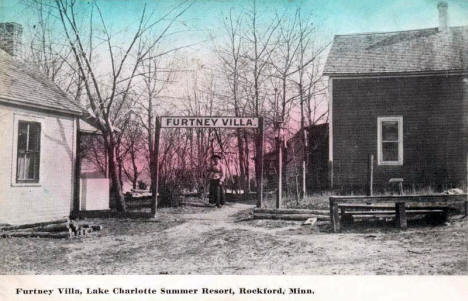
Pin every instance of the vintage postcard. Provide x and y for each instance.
(250, 149)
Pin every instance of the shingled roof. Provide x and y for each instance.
(24, 85)
(413, 51)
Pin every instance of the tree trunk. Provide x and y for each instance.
(247, 162)
(117, 198)
(151, 151)
(120, 169)
(304, 149)
(240, 148)
(135, 169)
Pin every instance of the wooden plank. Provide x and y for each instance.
(401, 218)
(406, 198)
(363, 206)
(290, 211)
(387, 207)
(429, 196)
(290, 217)
(391, 212)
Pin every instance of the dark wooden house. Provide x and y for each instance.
(403, 97)
(316, 162)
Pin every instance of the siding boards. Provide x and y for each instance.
(52, 198)
(432, 110)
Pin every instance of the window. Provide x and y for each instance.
(390, 140)
(28, 152)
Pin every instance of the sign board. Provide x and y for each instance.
(209, 122)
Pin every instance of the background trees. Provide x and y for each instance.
(263, 63)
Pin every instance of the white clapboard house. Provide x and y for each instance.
(39, 129)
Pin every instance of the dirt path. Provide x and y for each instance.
(221, 241)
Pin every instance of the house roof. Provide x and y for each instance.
(24, 85)
(424, 50)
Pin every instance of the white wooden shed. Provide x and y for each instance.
(39, 129)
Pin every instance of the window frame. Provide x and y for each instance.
(36, 174)
(399, 120)
(18, 117)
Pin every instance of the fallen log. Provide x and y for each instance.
(291, 211)
(38, 234)
(63, 227)
(192, 204)
(138, 206)
(290, 217)
(25, 226)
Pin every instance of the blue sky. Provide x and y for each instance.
(204, 18)
(334, 16)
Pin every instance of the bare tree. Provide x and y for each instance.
(133, 147)
(156, 74)
(258, 39)
(233, 63)
(106, 94)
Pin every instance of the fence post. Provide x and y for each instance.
(260, 163)
(154, 197)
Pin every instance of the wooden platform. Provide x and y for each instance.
(400, 204)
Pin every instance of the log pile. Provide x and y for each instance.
(63, 228)
(291, 214)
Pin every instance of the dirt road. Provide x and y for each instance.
(221, 241)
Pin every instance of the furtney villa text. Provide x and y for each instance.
(207, 122)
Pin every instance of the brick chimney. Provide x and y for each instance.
(442, 6)
(10, 37)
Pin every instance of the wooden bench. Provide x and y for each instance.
(359, 209)
(396, 204)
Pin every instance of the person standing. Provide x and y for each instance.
(216, 176)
